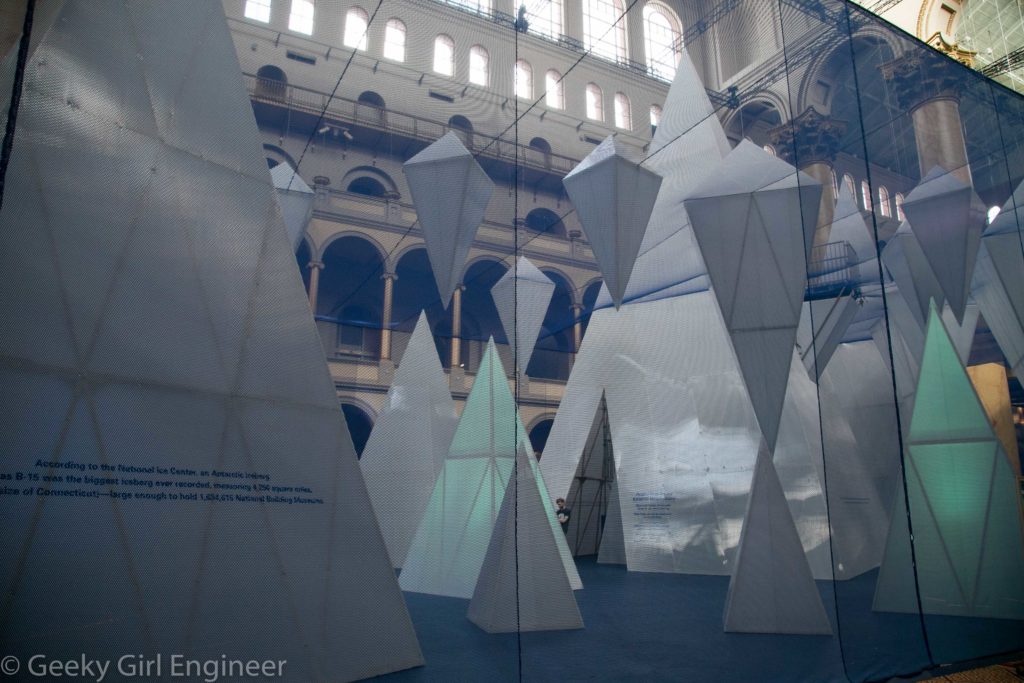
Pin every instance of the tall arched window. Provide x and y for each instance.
(394, 40)
(883, 201)
(444, 55)
(663, 40)
(544, 16)
(623, 114)
(595, 102)
(769, 149)
(899, 207)
(554, 93)
(356, 21)
(835, 184)
(865, 194)
(258, 10)
(301, 19)
(604, 29)
(523, 82)
(478, 65)
(655, 117)
(850, 187)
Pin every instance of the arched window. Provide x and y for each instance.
(883, 201)
(662, 39)
(595, 102)
(655, 117)
(865, 194)
(301, 19)
(899, 207)
(271, 82)
(444, 55)
(523, 82)
(258, 10)
(850, 187)
(604, 29)
(478, 65)
(544, 16)
(623, 115)
(554, 93)
(356, 22)
(769, 149)
(394, 40)
(993, 213)
(835, 184)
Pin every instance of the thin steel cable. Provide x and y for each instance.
(16, 88)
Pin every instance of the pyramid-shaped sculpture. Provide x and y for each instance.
(998, 284)
(522, 584)
(754, 219)
(522, 296)
(910, 270)
(964, 502)
(162, 376)
(771, 589)
(451, 193)
(613, 542)
(613, 196)
(962, 333)
(296, 201)
(589, 496)
(947, 218)
(407, 447)
(452, 538)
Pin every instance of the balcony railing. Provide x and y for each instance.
(831, 271)
(354, 113)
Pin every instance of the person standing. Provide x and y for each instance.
(563, 514)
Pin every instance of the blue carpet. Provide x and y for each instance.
(668, 627)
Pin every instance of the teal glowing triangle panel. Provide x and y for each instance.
(451, 539)
(198, 489)
(964, 505)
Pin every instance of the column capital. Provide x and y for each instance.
(389, 276)
(919, 77)
(318, 265)
(811, 137)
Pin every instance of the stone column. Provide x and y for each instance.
(385, 318)
(927, 86)
(810, 142)
(456, 323)
(577, 327)
(314, 283)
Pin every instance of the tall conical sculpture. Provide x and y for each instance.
(964, 502)
(947, 218)
(451, 193)
(754, 219)
(418, 410)
(613, 196)
(771, 589)
(522, 584)
(162, 376)
(522, 296)
(452, 538)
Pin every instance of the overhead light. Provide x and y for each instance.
(345, 134)
(324, 129)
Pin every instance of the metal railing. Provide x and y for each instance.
(831, 271)
(350, 112)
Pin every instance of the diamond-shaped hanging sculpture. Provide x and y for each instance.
(754, 219)
(295, 199)
(451, 193)
(613, 196)
(947, 218)
(848, 226)
(522, 296)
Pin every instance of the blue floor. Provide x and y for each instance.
(668, 627)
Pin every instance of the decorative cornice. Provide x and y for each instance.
(953, 50)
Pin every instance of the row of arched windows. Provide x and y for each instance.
(604, 28)
(890, 206)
